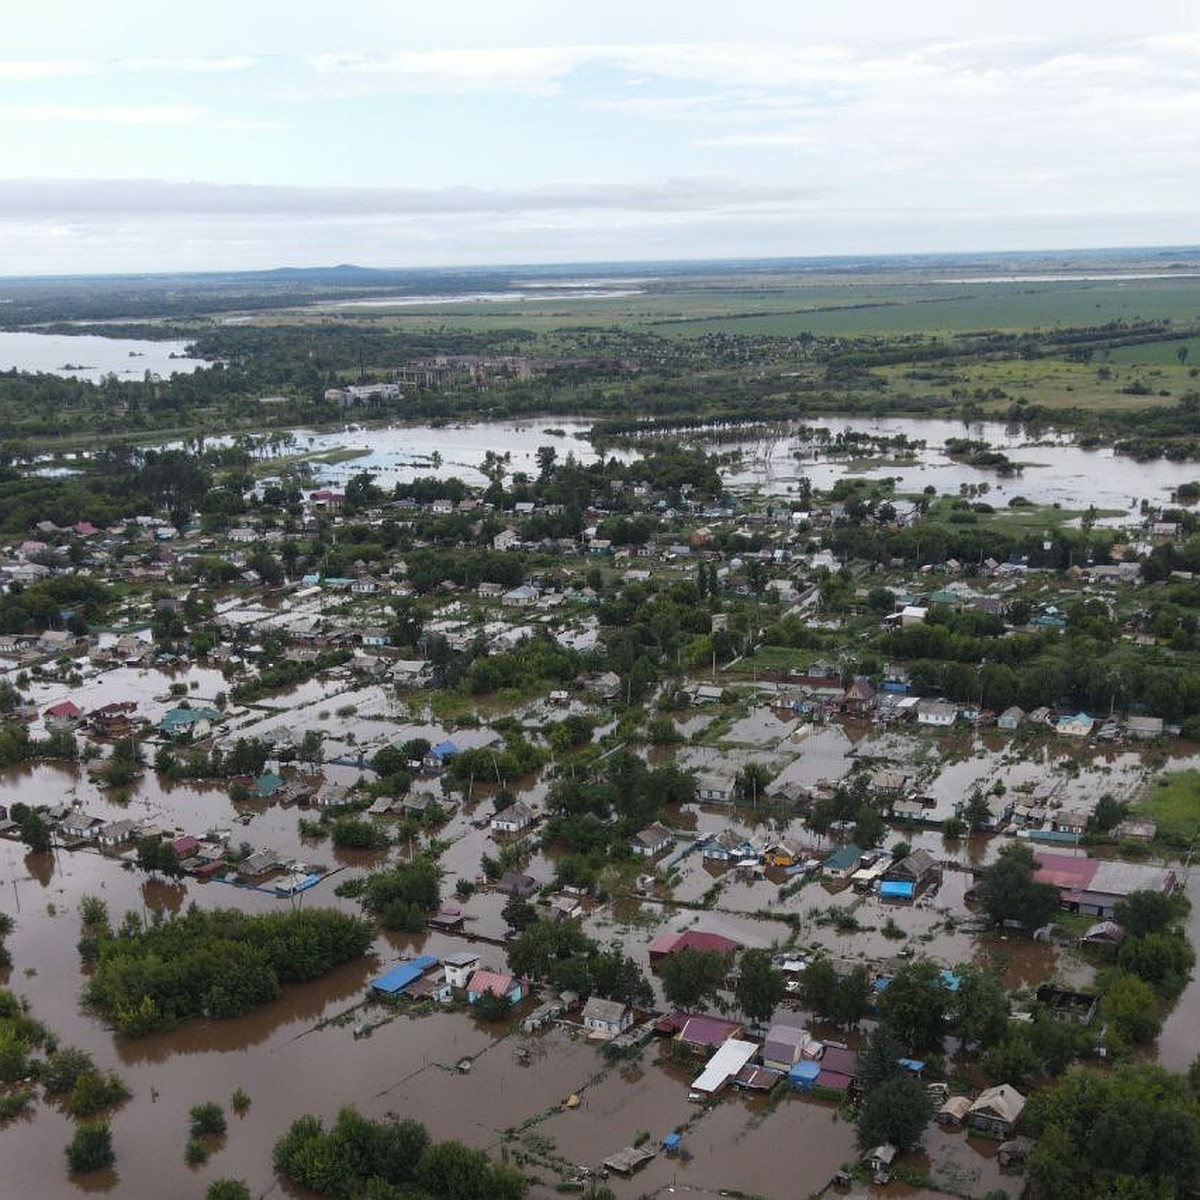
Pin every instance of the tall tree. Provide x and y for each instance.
(759, 986)
(914, 1005)
(691, 977)
(896, 1113)
(1008, 891)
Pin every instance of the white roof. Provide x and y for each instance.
(729, 1059)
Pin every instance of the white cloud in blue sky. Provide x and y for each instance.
(259, 133)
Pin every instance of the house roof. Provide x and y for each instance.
(843, 857)
(1002, 1101)
(916, 865)
(1065, 871)
(491, 981)
(599, 1009)
(731, 1056)
(706, 1031)
(401, 975)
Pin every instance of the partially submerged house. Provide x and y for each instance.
(784, 1046)
(908, 878)
(495, 983)
(997, 1110)
(605, 1019)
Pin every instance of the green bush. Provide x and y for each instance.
(90, 1148)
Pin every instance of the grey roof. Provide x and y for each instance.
(608, 1011)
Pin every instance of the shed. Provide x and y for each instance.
(803, 1075)
(953, 1113)
(731, 1056)
(402, 975)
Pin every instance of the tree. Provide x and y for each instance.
(1163, 960)
(311, 749)
(852, 1001)
(914, 1005)
(750, 783)
(1141, 913)
(91, 1147)
(895, 1113)
(977, 813)
(880, 1059)
(692, 976)
(1130, 1132)
(35, 832)
(1131, 1011)
(518, 913)
(456, 1172)
(759, 986)
(1008, 892)
(979, 1013)
(544, 945)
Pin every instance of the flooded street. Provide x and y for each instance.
(298, 1054)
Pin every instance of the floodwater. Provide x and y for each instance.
(92, 358)
(1053, 470)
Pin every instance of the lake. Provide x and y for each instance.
(92, 358)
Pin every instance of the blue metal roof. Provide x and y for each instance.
(401, 975)
(446, 749)
(892, 889)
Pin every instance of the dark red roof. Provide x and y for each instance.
(693, 939)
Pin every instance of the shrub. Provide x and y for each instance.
(207, 1120)
(90, 1148)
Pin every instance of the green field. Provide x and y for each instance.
(787, 306)
(1173, 802)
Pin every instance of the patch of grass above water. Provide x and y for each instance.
(1173, 803)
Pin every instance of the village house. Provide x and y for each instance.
(495, 983)
(605, 1019)
(667, 944)
(652, 841)
(79, 825)
(512, 821)
(1075, 725)
(784, 1046)
(996, 1110)
(460, 967)
(1010, 718)
(936, 713)
(908, 878)
(1144, 728)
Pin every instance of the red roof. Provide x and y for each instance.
(707, 1031)
(491, 981)
(1065, 871)
(186, 846)
(693, 939)
(68, 708)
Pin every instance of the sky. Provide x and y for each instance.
(139, 136)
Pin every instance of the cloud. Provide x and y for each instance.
(100, 198)
(44, 68)
(190, 115)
